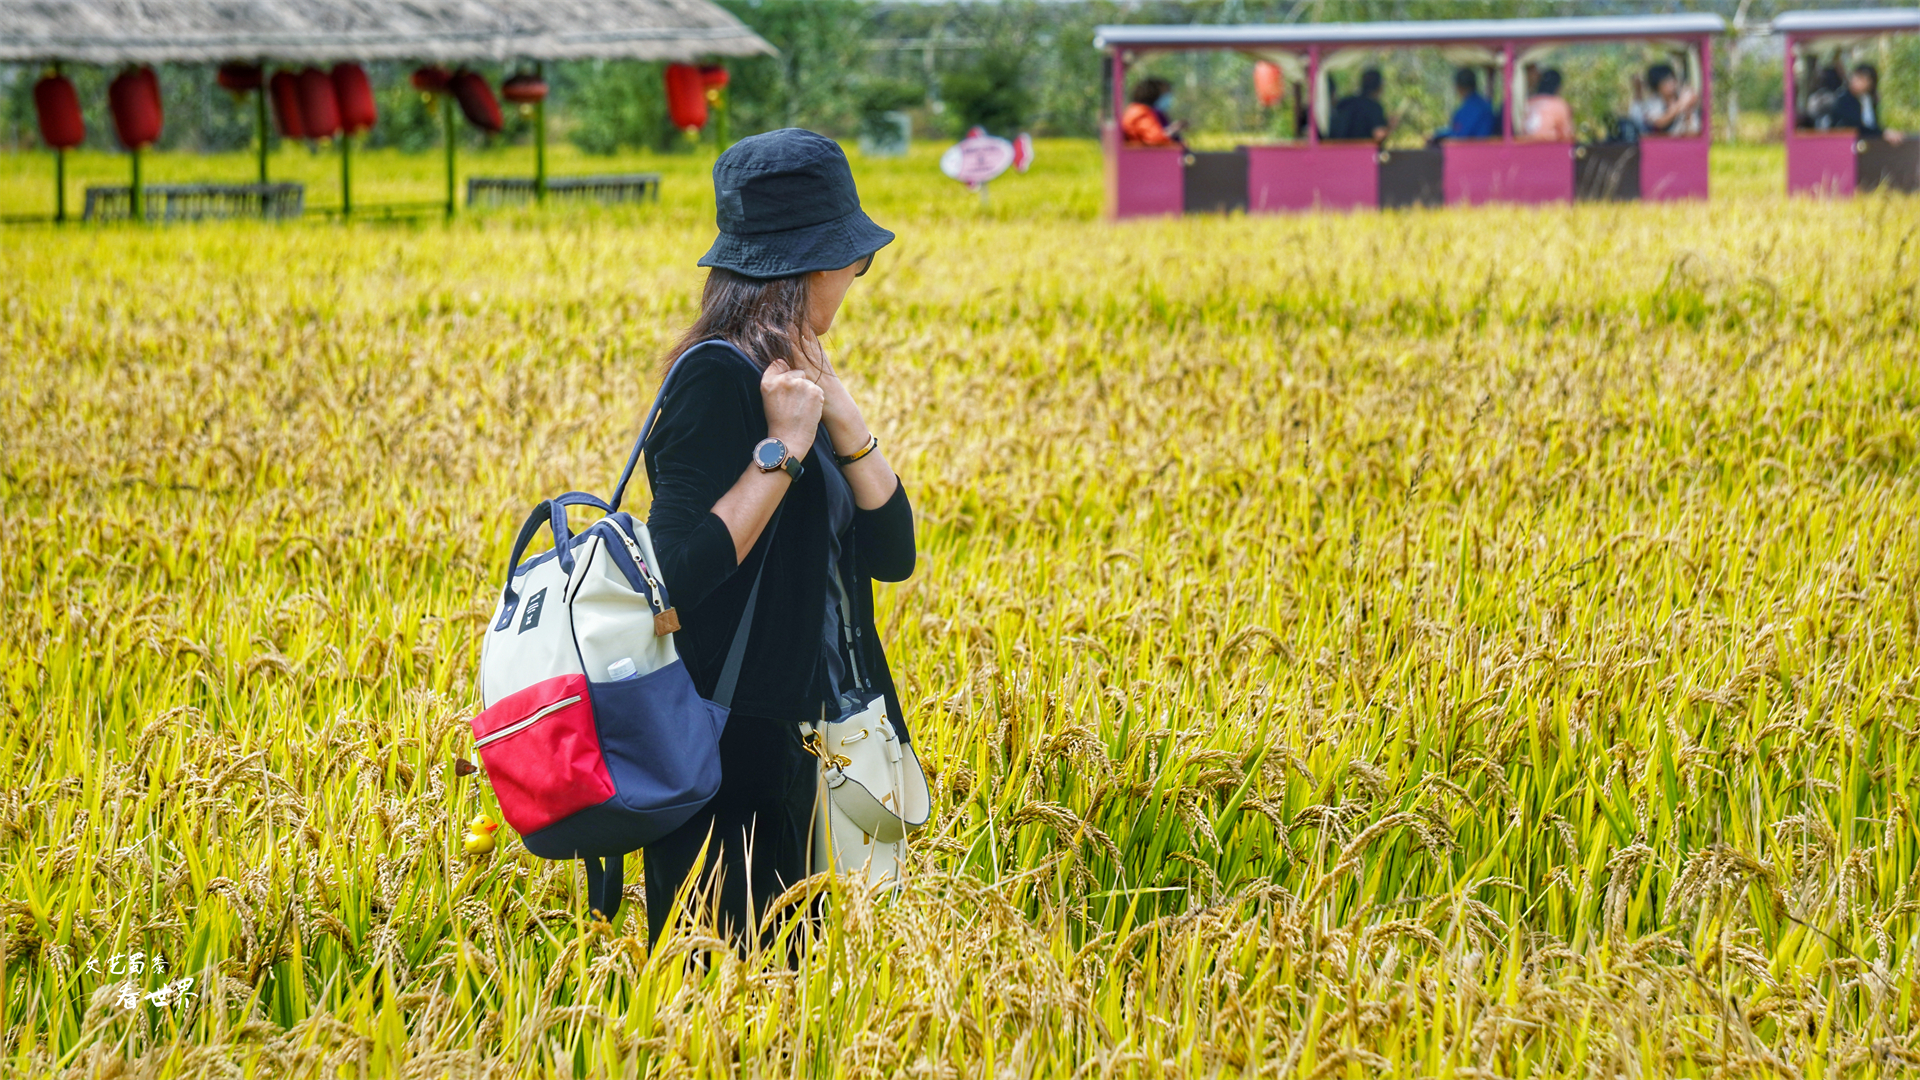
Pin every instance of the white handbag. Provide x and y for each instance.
(873, 794)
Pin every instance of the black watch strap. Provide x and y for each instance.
(793, 467)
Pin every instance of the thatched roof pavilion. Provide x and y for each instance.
(293, 32)
(112, 32)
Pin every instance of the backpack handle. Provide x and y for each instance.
(554, 513)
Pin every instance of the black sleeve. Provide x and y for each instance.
(883, 538)
(701, 444)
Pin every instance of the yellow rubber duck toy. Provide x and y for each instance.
(479, 838)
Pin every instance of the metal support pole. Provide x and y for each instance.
(1792, 93)
(136, 193)
(1313, 95)
(446, 116)
(540, 141)
(1706, 91)
(1506, 92)
(346, 175)
(260, 120)
(59, 173)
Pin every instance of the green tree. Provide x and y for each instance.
(612, 104)
(816, 79)
(991, 92)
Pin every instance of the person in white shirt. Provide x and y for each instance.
(1667, 107)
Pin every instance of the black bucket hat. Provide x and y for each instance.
(786, 206)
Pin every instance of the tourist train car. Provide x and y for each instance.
(1839, 161)
(1312, 172)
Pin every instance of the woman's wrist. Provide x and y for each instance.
(865, 451)
(848, 438)
(797, 442)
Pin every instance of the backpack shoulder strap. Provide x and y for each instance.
(653, 414)
(737, 651)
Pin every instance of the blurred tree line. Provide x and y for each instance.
(1010, 65)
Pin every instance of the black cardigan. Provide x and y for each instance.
(1849, 112)
(709, 422)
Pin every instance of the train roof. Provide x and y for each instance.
(1430, 32)
(1863, 21)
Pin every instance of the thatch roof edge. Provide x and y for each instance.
(113, 32)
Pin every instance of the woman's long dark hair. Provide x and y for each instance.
(765, 318)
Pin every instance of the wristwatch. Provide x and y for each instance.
(770, 454)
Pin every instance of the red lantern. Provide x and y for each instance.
(319, 109)
(59, 109)
(134, 100)
(476, 101)
(524, 89)
(713, 76)
(354, 94)
(1268, 84)
(431, 80)
(284, 87)
(686, 97)
(239, 78)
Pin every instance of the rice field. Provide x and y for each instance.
(1467, 643)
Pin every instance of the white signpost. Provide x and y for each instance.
(980, 158)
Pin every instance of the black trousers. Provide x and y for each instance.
(758, 832)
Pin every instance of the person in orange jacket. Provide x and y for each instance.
(1145, 123)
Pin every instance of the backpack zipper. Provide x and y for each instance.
(639, 560)
(522, 725)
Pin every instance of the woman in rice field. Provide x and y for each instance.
(761, 458)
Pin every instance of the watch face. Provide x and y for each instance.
(769, 454)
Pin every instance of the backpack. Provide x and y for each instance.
(592, 733)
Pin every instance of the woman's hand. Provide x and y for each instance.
(845, 425)
(871, 477)
(793, 402)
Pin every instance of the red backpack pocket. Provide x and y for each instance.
(542, 752)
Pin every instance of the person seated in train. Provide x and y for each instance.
(1666, 106)
(1828, 86)
(1473, 117)
(1145, 122)
(1859, 107)
(1361, 116)
(1549, 117)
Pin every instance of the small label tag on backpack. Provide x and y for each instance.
(530, 617)
(666, 622)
